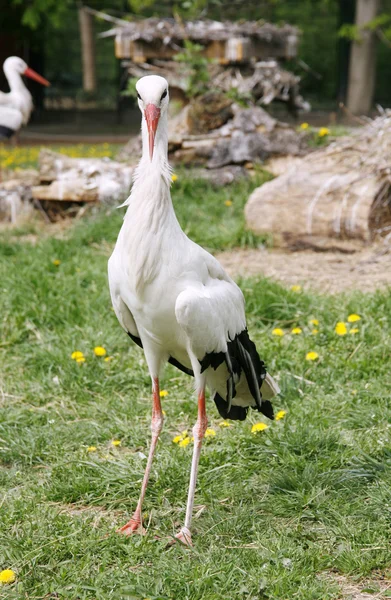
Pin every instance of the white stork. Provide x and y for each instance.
(17, 104)
(176, 301)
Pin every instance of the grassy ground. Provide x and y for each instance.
(276, 512)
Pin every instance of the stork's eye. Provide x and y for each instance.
(138, 96)
(163, 95)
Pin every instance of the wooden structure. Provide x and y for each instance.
(245, 56)
(225, 42)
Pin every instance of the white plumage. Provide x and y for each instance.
(18, 98)
(176, 301)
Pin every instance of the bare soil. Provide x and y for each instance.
(334, 271)
(368, 589)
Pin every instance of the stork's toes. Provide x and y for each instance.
(184, 536)
(131, 527)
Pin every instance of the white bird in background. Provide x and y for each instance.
(176, 301)
(16, 105)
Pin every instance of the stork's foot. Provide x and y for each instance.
(133, 526)
(184, 536)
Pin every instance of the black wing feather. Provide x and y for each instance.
(242, 355)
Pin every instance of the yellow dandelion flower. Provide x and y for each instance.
(312, 356)
(108, 358)
(314, 322)
(56, 262)
(225, 424)
(259, 427)
(354, 330)
(163, 393)
(7, 576)
(353, 318)
(280, 415)
(91, 449)
(180, 437)
(80, 359)
(116, 443)
(279, 332)
(340, 328)
(296, 288)
(100, 351)
(323, 131)
(185, 442)
(228, 203)
(174, 177)
(77, 354)
(297, 331)
(315, 331)
(304, 126)
(210, 432)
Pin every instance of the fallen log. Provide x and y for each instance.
(66, 190)
(82, 179)
(342, 191)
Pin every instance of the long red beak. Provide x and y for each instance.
(33, 75)
(152, 116)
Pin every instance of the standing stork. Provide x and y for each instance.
(176, 301)
(18, 101)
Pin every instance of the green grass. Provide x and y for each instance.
(282, 508)
(25, 157)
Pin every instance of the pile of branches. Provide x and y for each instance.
(214, 132)
(259, 82)
(340, 191)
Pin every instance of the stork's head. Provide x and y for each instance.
(14, 64)
(152, 94)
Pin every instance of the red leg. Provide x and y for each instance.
(135, 523)
(198, 433)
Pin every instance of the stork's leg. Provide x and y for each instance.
(135, 523)
(198, 433)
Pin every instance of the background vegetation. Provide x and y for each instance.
(52, 30)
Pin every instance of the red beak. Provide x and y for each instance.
(152, 116)
(33, 75)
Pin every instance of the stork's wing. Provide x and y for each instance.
(213, 318)
(121, 310)
(211, 315)
(11, 120)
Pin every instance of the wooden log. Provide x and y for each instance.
(66, 190)
(314, 199)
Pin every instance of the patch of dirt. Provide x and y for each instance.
(364, 269)
(361, 590)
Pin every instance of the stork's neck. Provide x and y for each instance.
(15, 80)
(152, 178)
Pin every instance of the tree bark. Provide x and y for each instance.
(86, 25)
(362, 68)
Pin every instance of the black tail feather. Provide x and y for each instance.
(241, 356)
(236, 413)
(244, 356)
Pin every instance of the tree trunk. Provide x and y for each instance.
(362, 68)
(86, 25)
(346, 16)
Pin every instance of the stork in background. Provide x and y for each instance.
(16, 105)
(176, 301)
